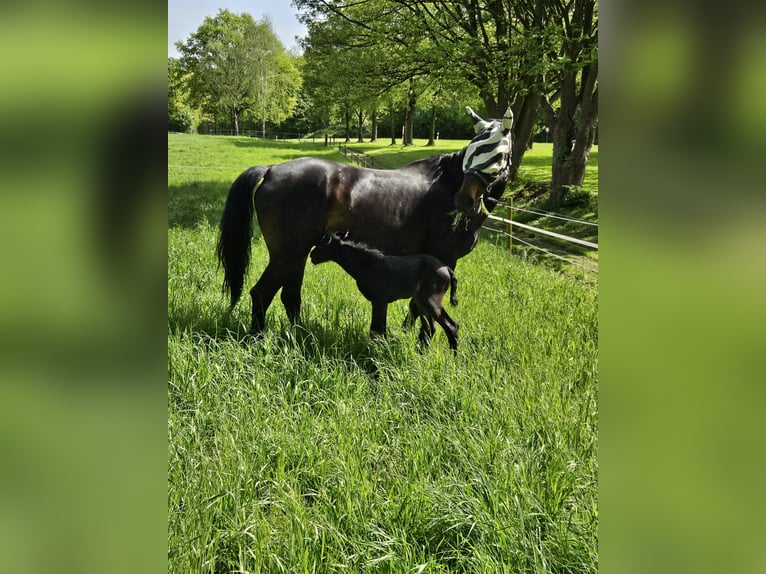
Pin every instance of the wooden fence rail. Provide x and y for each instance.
(358, 158)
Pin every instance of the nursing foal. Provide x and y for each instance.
(383, 279)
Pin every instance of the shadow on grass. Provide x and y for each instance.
(286, 147)
(190, 204)
(312, 338)
(279, 151)
(396, 157)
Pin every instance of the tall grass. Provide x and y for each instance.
(316, 448)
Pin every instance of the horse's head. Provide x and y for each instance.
(488, 153)
(326, 247)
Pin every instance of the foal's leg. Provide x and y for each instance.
(427, 329)
(379, 312)
(450, 327)
(412, 315)
(432, 306)
(419, 306)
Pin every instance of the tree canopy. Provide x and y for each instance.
(539, 56)
(366, 58)
(237, 65)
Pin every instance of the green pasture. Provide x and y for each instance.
(535, 167)
(318, 449)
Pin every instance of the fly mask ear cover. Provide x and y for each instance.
(508, 120)
(488, 151)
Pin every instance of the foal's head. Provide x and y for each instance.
(326, 249)
(487, 154)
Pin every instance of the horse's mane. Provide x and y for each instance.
(363, 246)
(435, 166)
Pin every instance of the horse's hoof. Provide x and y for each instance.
(253, 337)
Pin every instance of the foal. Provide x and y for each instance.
(385, 278)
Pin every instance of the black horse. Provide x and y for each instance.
(431, 206)
(383, 279)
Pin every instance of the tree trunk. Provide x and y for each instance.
(574, 129)
(347, 117)
(431, 140)
(374, 126)
(409, 119)
(235, 122)
(392, 115)
(360, 118)
(524, 117)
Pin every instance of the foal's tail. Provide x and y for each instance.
(452, 287)
(236, 230)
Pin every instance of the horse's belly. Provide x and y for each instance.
(392, 227)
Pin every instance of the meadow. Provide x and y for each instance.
(316, 448)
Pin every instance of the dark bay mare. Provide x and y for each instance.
(431, 206)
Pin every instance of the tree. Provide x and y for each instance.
(181, 116)
(570, 99)
(236, 65)
(529, 53)
(345, 74)
(362, 55)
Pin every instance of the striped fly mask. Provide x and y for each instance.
(487, 155)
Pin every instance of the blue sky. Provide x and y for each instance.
(185, 16)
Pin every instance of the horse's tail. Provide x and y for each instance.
(236, 230)
(452, 287)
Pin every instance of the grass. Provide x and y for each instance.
(319, 449)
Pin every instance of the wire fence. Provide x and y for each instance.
(548, 214)
(509, 224)
(275, 135)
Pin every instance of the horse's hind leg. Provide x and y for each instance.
(291, 290)
(450, 328)
(262, 294)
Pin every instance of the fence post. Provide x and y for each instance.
(510, 227)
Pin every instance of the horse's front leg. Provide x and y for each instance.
(379, 312)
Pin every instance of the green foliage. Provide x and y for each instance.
(576, 196)
(318, 449)
(530, 55)
(182, 117)
(236, 65)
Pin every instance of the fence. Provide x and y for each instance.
(271, 135)
(509, 223)
(357, 157)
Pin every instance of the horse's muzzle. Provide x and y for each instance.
(464, 203)
(470, 192)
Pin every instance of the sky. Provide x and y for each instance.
(185, 16)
